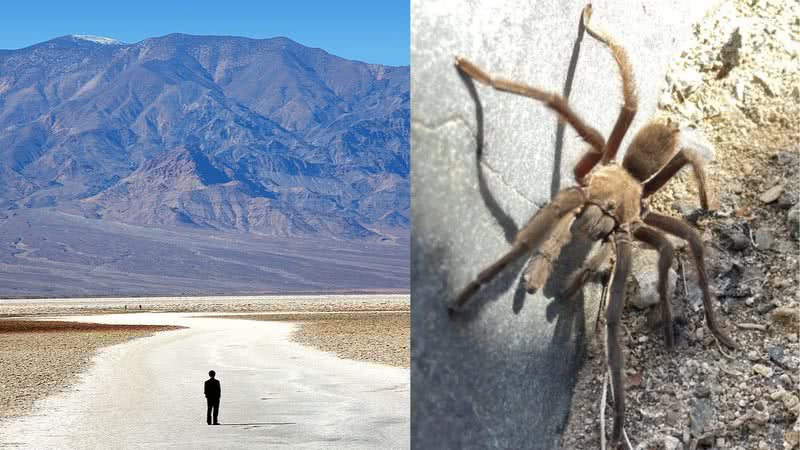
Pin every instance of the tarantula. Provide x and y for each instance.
(608, 205)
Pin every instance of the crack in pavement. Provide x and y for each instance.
(456, 119)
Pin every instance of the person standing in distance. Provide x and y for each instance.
(213, 392)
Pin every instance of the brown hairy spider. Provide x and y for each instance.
(608, 205)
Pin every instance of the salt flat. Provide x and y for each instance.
(147, 393)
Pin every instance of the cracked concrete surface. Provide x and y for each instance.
(500, 375)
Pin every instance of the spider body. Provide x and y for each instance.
(616, 192)
(607, 205)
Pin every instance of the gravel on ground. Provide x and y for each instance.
(39, 358)
(736, 89)
(381, 337)
(243, 303)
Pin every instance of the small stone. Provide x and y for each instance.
(793, 221)
(719, 262)
(749, 301)
(785, 379)
(760, 417)
(762, 370)
(702, 391)
(683, 208)
(771, 194)
(790, 400)
(698, 334)
(777, 395)
(788, 317)
(776, 353)
(752, 355)
(687, 210)
(738, 240)
(786, 200)
(763, 239)
(779, 283)
(741, 420)
(755, 115)
(643, 290)
(747, 168)
(671, 443)
(784, 158)
(766, 307)
(673, 417)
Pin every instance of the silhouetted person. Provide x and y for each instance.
(213, 392)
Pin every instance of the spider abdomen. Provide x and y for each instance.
(651, 148)
(616, 192)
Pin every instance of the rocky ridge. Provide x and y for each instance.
(224, 133)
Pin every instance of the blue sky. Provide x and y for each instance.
(371, 31)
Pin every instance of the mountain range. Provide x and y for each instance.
(190, 164)
(261, 136)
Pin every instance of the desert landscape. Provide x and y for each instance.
(292, 362)
(181, 198)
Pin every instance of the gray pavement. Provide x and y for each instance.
(501, 374)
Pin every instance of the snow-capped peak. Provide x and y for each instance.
(97, 39)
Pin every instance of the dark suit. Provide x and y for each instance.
(213, 392)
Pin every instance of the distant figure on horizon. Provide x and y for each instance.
(213, 392)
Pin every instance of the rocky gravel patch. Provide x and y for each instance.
(382, 337)
(736, 85)
(39, 358)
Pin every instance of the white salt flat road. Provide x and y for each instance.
(148, 393)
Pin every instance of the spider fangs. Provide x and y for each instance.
(607, 205)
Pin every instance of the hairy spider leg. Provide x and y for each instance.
(528, 239)
(579, 278)
(629, 106)
(553, 101)
(616, 302)
(666, 252)
(684, 231)
(682, 158)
